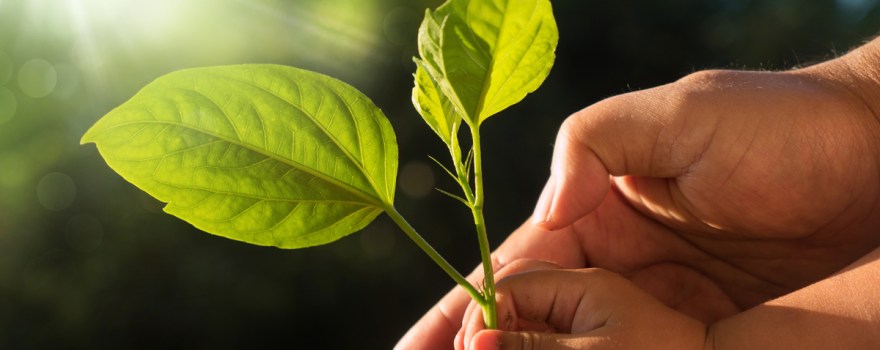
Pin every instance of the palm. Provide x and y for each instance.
(705, 277)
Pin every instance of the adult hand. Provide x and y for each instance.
(713, 194)
(578, 309)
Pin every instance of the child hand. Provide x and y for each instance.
(578, 309)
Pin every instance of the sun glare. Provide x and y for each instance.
(109, 40)
(64, 62)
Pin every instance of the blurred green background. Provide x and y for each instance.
(88, 261)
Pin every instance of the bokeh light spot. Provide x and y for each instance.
(84, 233)
(56, 191)
(37, 78)
(5, 67)
(69, 80)
(416, 179)
(7, 105)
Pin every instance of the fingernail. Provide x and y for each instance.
(542, 209)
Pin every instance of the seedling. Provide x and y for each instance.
(278, 156)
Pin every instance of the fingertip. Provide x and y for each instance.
(578, 183)
(570, 201)
(489, 339)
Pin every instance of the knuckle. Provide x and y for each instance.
(700, 84)
(599, 111)
(530, 341)
(709, 76)
(699, 90)
(523, 265)
(518, 265)
(596, 112)
(601, 274)
(587, 121)
(570, 126)
(568, 138)
(529, 264)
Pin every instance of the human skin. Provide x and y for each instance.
(596, 309)
(577, 309)
(717, 193)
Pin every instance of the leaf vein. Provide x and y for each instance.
(315, 122)
(261, 198)
(289, 162)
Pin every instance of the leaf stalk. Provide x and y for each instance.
(434, 255)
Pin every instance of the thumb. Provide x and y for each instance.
(646, 133)
(578, 180)
(502, 340)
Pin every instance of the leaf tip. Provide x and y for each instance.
(88, 137)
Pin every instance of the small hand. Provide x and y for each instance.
(578, 309)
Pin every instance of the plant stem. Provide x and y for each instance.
(434, 255)
(489, 315)
(463, 180)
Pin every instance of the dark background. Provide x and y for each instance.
(88, 261)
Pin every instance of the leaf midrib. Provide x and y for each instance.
(481, 101)
(488, 77)
(257, 197)
(311, 118)
(289, 162)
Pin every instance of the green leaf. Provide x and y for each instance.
(266, 154)
(434, 107)
(486, 55)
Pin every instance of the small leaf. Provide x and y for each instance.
(265, 154)
(454, 196)
(449, 172)
(434, 107)
(468, 162)
(486, 55)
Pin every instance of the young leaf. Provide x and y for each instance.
(435, 108)
(487, 55)
(266, 154)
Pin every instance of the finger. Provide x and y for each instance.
(651, 133)
(437, 329)
(524, 265)
(578, 182)
(474, 320)
(506, 340)
(550, 300)
(664, 199)
(600, 310)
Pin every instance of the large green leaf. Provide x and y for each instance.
(486, 55)
(265, 154)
